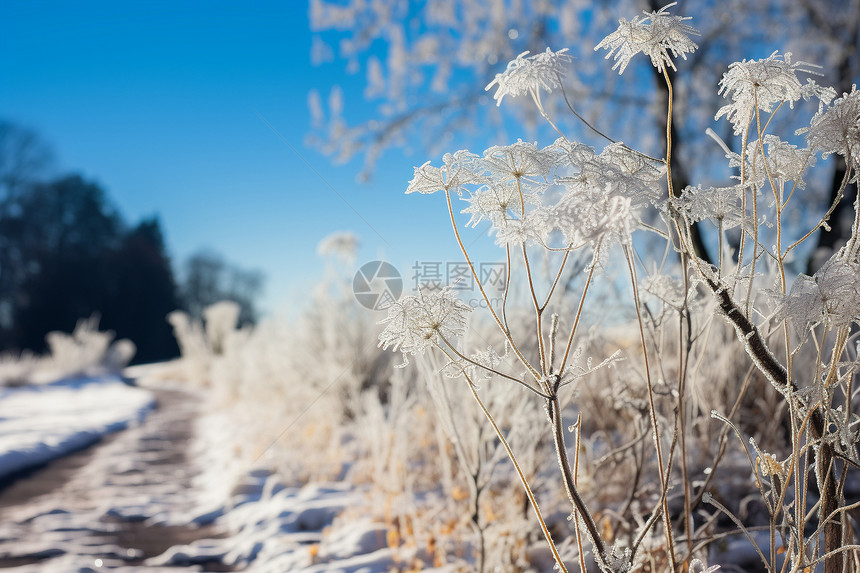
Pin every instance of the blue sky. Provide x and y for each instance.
(161, 103)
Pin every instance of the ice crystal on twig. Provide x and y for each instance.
(656, 34)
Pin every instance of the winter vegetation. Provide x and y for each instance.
(667, 379)
(715, 428)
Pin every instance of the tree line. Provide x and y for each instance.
(67, 253)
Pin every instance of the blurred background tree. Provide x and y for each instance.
(66, 253)
(208, 278)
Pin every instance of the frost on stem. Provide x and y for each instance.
(769, 81)
(415, 323)
(529, 75)
(656, 34)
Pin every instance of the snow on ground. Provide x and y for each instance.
(43, 422)
(141, 504)
(272, 527)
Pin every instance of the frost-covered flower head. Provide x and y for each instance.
(722, 205)
(415, 323)
(594, 215)
(603, 196)
(837, 129)
(634, 176)
(534, 228)
(765, 82)
(497, 201)
(520, 159)
(656, 34)
(529, 75)
(458, 169)
(782, 162)
(831, 296)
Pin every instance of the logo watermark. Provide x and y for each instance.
(377, 285)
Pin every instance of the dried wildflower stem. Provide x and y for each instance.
(555, 282)
(520, 474)
(578, 426)
(743, 200)
(507, 288)
(538, 309)
(490, 369)
(652, 411)
(504, 330)
(743, 529)
(579, 311)
(668, 159)
(554, 412)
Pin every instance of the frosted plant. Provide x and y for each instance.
(837, 129)
(497, 202)
(761, 84)
(596, 216)
(536, 198)
(415, 323)
(831, 296)
(533, 228)
(839, 290)
(722, 205)
(458, 170)
(656, 34)
(530, 75)
(220, 320)
(631, 174)
(478, 367)
(520, 159)
(785, 162)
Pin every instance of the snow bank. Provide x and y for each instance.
(41, 423)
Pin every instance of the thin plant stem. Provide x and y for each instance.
(505, 332)
(523, 480)
(652, 410)
(578, 427)
(579, 311)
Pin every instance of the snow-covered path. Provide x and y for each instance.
(98, 509)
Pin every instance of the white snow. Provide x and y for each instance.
(43, 422)
(270, 527)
